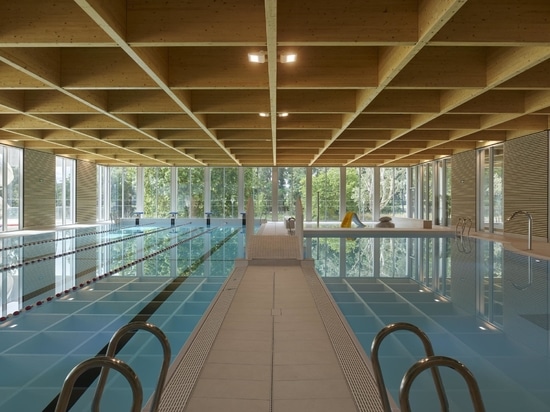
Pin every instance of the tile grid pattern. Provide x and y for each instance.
(357, 373)
(189, 363)
(276, 344)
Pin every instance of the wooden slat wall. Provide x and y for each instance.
(86, 192)
(39, 189)
(526, 183)
(463, 187)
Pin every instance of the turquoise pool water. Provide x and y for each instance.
(478, 303)
(75, 288)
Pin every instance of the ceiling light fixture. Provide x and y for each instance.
(257, 57)
(288, 57)
(261, 57)
(281, 114)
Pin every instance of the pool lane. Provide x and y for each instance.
(166, 299)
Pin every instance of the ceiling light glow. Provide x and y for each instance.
(261, 57)
(288, 57)
(257, 57)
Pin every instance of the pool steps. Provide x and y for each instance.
(428, 348)
(109, 361)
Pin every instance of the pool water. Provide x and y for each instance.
(89, 284)
(478, 303)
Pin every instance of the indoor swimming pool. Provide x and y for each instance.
(478, 303)
(66, 292)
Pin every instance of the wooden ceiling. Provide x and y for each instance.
(168, 83)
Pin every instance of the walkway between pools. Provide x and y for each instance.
(272, 341)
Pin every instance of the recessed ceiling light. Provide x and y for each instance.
(257, 57)
(261, 57)
(288, 57)
(280, 114)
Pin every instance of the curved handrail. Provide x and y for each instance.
(393, 327)
(103, 362)
(435, 361)
(459, 223)
(111, 349)
(529, 276)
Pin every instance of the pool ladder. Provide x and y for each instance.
(110, 362)
(429, 362)
(461, 226)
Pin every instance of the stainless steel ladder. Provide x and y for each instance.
(102, 362)
(380, 336)
(461, 225)
(433, 362)
(111, 350)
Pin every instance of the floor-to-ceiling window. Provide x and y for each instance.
(393, 191)
(290, 187)
(359, 191)
(429, 192)
(10, 181)
(123, 188)
(490, 161)
(224, 192)
(157, 191)
(258, 186)
(190, 193)
(426, 176)
(326, 193)
(64, 190)
(421, 192)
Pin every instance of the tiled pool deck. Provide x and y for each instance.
(273, 341)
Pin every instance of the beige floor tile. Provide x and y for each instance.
(242, 345)
(304, 358)
(233, 389)
(314, 389)
(303, 345)
(314, 405)
(240, 357)
(228, 405)
(256, 335)
(313, 324)
(237, 371)
(307, 372)
(298, 334)
(253, 325)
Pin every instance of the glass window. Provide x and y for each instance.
(359, 191)
(123, 191)
(10, 182)
(157, 193)
(326, 193)
(291, 187)
(393, 191)
(491, 197)
(258, 185)
(64, 190)
(224, 184)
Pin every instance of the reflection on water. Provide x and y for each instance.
(479, 303)
(70, 290)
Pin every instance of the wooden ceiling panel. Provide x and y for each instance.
(378, 83)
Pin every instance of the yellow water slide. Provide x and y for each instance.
(346, 221)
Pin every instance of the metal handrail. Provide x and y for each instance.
(111, 349)
(103, 362)
(393, 327)
(434, 362)
(462, 223)
(459, 223)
